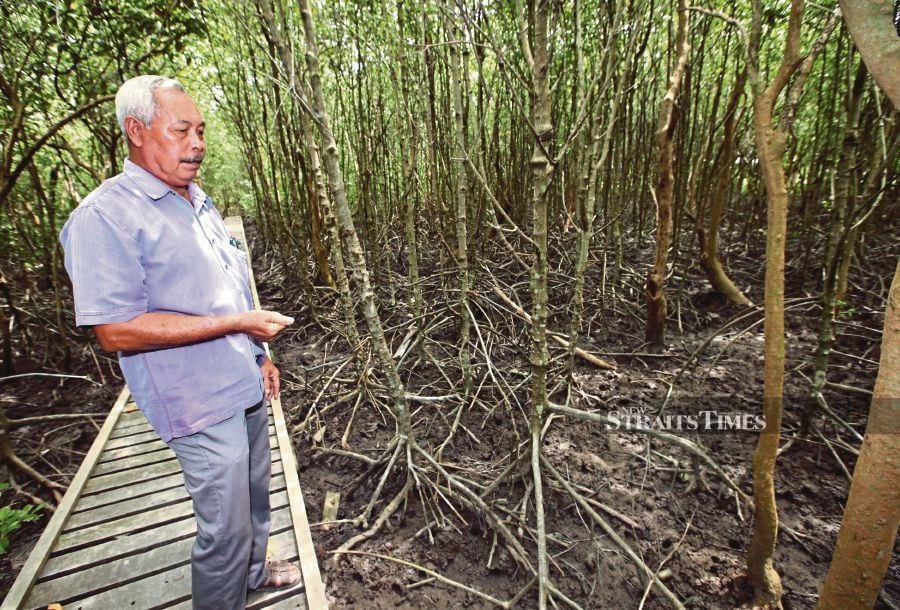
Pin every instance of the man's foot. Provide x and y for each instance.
(282, 573)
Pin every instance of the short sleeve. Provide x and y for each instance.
(104, 264)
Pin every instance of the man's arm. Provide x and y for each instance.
(150, 331)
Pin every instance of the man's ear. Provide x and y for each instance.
(134, 130)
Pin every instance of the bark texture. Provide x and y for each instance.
(348, 231)
(872, 29)
(708, 240)
(770, 142)
(869, 528)
(321, 203)
(541, 169)
(462, 196)
(655, 290)
(842, 203)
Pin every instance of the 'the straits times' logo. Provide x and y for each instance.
(638, 418)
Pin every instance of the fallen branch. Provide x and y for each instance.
(59, 375)
(11, 424)
(581, 353)
(847, 388)
(7, 451)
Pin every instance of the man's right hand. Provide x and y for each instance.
(262, 325)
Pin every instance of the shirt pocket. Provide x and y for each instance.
(241, 262)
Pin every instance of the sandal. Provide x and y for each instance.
(282, 573)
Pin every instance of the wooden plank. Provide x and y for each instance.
(144, 459)
(107, 551)
(124, 452)
(130, 545)
(131, 430)
(309, 564)
(130, 421)
(41, 550)
(140, 449)
(137, 490)
(132, 416)
(140, 490)
(137, 505)
(124, 525)
(128, 477)
(121, 570)
(132, 439)
(130, 411)
(113, 574)
(169, 587)
(127, 508)
(121, 479)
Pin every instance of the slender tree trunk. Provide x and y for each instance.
(871, 26)
(655, 290)
(320, 193)
(541, 169)
(348, 232)
(320, 243)
(722, 171)
(875, 183)
(601, 135)
(8, 361)
(765, 580)
(410, 179)
(334, 238)
(869, 528)
(431, 131)
(844, 192)
(770, 140)
(462, 194)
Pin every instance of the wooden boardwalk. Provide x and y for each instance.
(122, 535)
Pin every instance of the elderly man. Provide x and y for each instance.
(158, 278)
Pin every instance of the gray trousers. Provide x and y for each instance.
(226, 471)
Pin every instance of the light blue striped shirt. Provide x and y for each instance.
(134, 246)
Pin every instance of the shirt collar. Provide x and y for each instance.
(198, 196)
(156, 189)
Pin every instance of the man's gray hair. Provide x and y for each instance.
(137, 97)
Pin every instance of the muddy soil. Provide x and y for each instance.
(691, 529)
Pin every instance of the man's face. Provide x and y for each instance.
(172, 147)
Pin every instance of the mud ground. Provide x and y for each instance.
(697, 535)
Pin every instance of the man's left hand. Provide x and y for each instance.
(271, 378)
